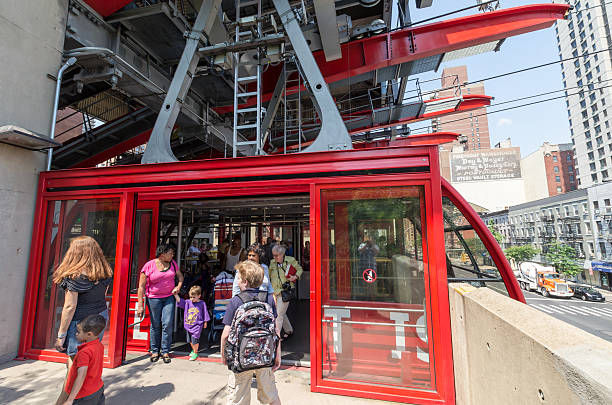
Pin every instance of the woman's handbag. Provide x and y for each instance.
(288, 293)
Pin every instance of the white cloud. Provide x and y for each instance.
(502, 122)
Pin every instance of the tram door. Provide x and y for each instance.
(143, 248)
(373, 306)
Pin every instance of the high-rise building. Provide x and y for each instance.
(584, 39)
(549, 171)
(473, 125)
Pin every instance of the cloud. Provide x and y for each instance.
(502, 122)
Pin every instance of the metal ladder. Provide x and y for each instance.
(241, 93)
(292, 117)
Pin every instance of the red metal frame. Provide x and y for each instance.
(115, 343)
(503, 266)
(301, 173)
(437, 313)
(107, 7)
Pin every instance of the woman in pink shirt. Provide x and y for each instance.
(157, 283)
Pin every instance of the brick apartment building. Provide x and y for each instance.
(474, 125)
(549, 171)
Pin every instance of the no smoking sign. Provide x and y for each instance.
(369, 275)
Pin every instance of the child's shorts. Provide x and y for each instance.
(192, 339)
(97, 398)
(239, 387)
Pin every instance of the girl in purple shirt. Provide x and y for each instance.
(196, 318)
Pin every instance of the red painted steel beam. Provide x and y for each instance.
(469, 102)
(411, 44)
(107, 7)
(116, 150)
(437, 138)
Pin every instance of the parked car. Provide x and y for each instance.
(587, 293)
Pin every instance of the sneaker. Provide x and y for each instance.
(193, 356)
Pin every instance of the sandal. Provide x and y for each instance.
(154, 357)
(166, 358)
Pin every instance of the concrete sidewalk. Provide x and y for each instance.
(141, 382)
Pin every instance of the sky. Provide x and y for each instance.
(528, 127)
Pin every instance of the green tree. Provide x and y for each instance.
(521, 253)
(563, 257)
(496, 234)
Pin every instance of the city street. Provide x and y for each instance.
(592, 317)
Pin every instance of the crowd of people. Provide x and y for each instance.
(263, 281)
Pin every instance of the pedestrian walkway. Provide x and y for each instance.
(573, 309)
(141, 382)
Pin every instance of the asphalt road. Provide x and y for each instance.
(592, 317)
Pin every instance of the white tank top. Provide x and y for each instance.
(231, 261)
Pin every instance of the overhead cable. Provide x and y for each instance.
(517, 106)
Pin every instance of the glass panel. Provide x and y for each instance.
(467, 258)
(138, 331)
(66, 220)
(374, 326)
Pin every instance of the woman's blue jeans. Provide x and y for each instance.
(161, 311)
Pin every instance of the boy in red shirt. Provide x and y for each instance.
(84, 384)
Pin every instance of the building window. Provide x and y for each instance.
(571, 178)
(556, 169)
(555, 158)
(558, 179)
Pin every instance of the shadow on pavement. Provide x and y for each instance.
(138, 395)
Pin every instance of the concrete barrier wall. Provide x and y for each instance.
(505, 352)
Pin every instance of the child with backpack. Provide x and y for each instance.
(249, 342)
(195, 318)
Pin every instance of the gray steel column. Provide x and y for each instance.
(333, 134)
(158, 148)
(325, 11)
(272, 107)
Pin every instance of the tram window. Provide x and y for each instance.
(66, 220)
(382, 234)
(467, 258)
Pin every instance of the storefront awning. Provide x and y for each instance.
(602, 266)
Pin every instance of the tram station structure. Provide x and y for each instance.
(258, 117)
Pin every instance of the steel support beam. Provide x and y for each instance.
(333, 134)
(272, 107)
(328, 28)
(158, 149)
